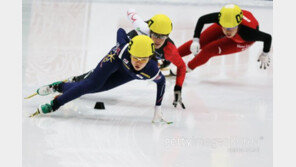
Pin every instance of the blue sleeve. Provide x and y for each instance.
(160, 81)
(122, 38)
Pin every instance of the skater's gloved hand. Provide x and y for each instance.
(264, 58)
(165, 63)
(158, 117)
(194, 47)
(178, 98)
(138, 23)
(131, 13)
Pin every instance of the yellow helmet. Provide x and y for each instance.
(230, 16)
(160, 24)
(141, 46)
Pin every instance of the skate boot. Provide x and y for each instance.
(188, 69)
(171, 73)
(79, 77)
(43, 109)
(164, 65)
(70, 79)
(46, 90)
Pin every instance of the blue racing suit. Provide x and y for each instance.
(113, 70)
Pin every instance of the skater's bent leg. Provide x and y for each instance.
(81, 77)
(63, 87)
(184, 49)
(116, 79)
(210, 34)
(95, 81)
(220, 47)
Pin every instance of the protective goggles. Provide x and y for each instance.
(140, 59)
(159, 36)
(229, 29)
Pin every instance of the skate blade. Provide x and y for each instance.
(35, 113)
(163, 121)
(165, 69)
(31, 96)
(171, 74)
(66, 80)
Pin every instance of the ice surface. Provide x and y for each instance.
(228, 116)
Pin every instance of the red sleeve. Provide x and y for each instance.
(171, 54)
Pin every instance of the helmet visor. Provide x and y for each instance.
(159, 36)
(140, 59)
(229, 29)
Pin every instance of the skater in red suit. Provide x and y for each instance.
(158, 28)
(233, 30)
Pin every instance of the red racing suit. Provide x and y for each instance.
(168, 51)
(213, 42)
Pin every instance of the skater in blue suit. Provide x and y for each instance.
(127, 61)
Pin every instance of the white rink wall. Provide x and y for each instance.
(65, 38)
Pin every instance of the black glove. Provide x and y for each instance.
(165, 63)
(178, 98)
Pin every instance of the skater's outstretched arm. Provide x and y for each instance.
(250, 34)
(209, 18)
(122, 38)
(172, 55)
(159, 79)
(138, 23)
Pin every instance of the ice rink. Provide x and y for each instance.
(228, 117)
